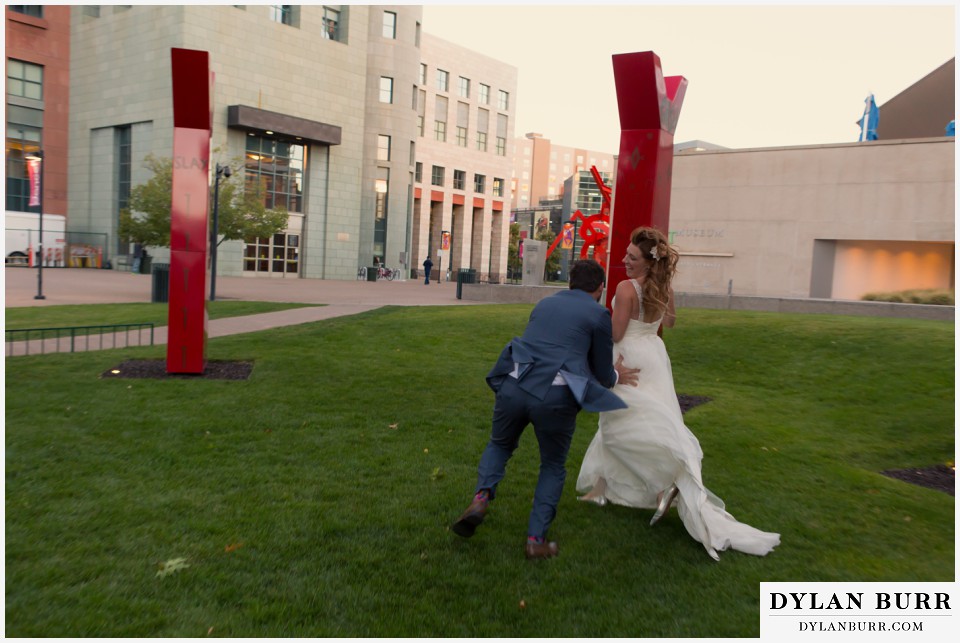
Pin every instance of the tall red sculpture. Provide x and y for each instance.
(649, 109)
(192, 124)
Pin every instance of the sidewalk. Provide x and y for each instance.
(63, 286)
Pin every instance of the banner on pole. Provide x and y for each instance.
(33, 174)
(567, 243)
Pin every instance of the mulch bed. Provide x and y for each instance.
(157, 369)
(939, 477)
(687, 402)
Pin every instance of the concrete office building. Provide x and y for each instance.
(302, 95)
(326, 106)
(465, 108)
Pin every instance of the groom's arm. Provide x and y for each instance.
(601, 351)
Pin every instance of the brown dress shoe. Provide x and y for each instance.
(541, 550)
(473, 516)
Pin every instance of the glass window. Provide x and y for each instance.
(277, 254)
(124, 164)
(24, 131)
(416, 38)
(386, 89)
(482, 141)
(443, 81)
(420, 124)
(497, 187)
(503, 100)
(436, 176)
(275, 170)
(459, 179)
(501, 146)
(389, 24)
(21, 140)
(331, 24)
(423, 74)
(463, 87)
(440, 130)
(35, 10)
(383, 148)
(418, 172)
(484, 94)
(462, 136)
(24, 79)
(479, 183)
(282, 13)
(381, 190)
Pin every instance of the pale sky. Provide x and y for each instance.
(759, 75)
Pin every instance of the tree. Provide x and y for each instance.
(241, 213)
(551, 266)
(513, 251)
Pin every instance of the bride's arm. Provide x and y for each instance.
(626, 296)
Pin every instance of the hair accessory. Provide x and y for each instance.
(653, 253)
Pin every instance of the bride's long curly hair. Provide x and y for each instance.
(661, 259)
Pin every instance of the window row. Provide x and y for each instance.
(438, 178)
(480, 142)
(289, 14)
(463, 87)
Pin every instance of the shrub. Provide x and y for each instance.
(929, 296)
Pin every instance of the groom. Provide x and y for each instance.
(563, 362)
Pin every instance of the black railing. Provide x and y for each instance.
(71, 339)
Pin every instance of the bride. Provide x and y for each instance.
(644, 456)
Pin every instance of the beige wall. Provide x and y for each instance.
(746, 221)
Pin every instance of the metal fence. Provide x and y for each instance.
(73, 339)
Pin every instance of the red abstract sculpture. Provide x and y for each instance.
(192, 124)
(649, 109)
(596, 227)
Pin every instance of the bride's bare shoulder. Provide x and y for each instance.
(626, 289)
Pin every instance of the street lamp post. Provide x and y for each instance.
(35, 165)
(225, 171)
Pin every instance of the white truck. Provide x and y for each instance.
(23, 238)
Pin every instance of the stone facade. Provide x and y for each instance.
(826, 221)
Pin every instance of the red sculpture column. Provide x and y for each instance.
(649, 109)
(192, 123)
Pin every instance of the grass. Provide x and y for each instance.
(303, 511)
(102, 314)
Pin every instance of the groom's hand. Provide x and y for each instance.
(626, 376)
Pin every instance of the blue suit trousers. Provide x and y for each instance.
(554, 419)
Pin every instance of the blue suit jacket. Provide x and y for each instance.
(568, 333)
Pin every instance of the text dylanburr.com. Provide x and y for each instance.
(858, 611)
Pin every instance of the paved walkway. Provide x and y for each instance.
(90, 286)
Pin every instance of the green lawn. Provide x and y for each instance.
(314, 499)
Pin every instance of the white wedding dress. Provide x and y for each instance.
(642, 450)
